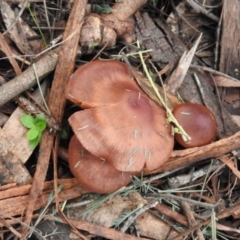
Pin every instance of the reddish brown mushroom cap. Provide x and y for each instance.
(130, 135)
(123, 125)
(198, 122)
(99, 83)
(92, 173)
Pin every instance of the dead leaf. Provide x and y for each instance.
(20, 31)
(222, 81)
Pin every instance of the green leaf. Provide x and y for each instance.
(27, 121)
(33, 133)
(105, 8)
(33, 143)
(41, 125)
(40, 117)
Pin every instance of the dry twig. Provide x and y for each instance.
(56, 101)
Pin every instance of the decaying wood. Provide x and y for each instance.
(10, 190)
(103, 30)
(152, 38)
(192, 155)
(229, 53)
(120, 18)
(167, 49)
(56, 100)
(95, 33)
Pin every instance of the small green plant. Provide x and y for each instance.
(104, 8)
(36, 126)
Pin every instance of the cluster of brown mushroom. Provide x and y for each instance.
(121, 131)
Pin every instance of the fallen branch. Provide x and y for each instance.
(27, 79)
(13, 200)
(185, 157)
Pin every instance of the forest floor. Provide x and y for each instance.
(137, 61)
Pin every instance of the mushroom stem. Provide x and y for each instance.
(179, 129)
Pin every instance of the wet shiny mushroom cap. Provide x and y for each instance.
(198, 122)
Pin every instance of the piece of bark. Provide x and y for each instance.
(16, 202)
(167, 49)
(150, 226)
(106, 214)
(230, 48)
(120, 19)
(230, 51)
(11, 167)
(95, 33)
(181, 158)
(10, 190)
(57, 101)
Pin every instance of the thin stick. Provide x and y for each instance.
(132, 218)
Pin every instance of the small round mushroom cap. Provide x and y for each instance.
(131, 135)
(198, 122)
(92, 173)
